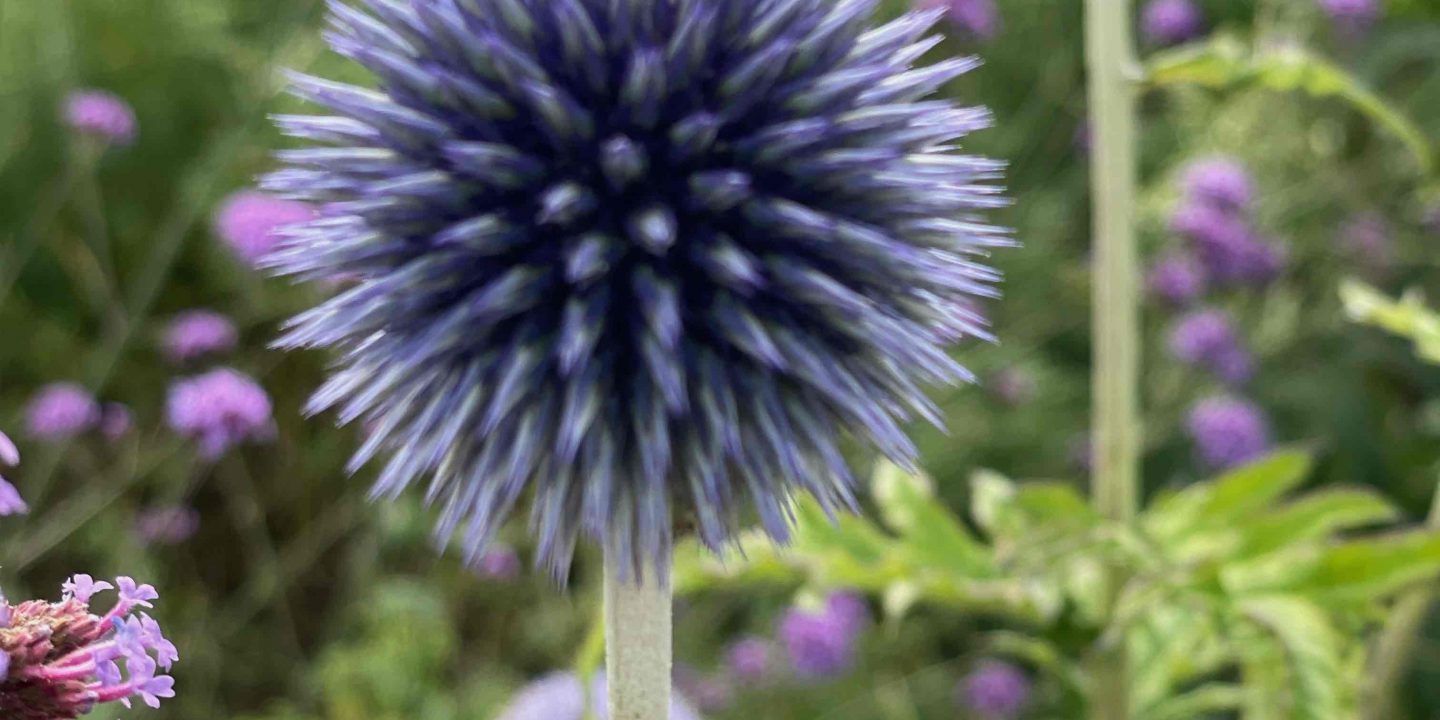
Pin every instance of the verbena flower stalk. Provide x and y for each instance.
(1116, 421)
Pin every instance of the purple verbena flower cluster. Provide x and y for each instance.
(59, 660)
(198, 333)
(10, 501)
(102, 115)
(636, 260)
(62, 411)
(220, 409)
(821, 643)
(1171, 22)
(166, 524)
(1228, 431)
(564, 696)
(995, 691)
(979, 19)
(1207, 339)
(253, 223)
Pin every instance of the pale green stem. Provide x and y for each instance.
(637, 645)
(1396, 644)
(1116, 423)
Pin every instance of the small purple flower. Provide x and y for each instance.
(1228, 431)
(709, 694)
(995, 691)
(10, 501)
(749, 659)
(562, 696)
(1170, 22)
(198, 333)
(82, 587)
(822, 643)
(1367, 238)
(61, 411)
(1013, 386)
(1177, 280)
(116, 421)
(977, 18)
(135, 595)
(1352, 18)
(1222, 181)
(252, 223)
(166, 525)
(1201, 336)
(220, 409)
(101, 114)
(498, 563)
(1226, 245)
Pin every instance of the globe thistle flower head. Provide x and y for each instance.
(197, 333)
(563, 696)
(1177, 280)
(995, 691)
(102, 115)
(1221, 181)
(10, 501)
(979, 19)
(1228, 432)
(252, 223)
(821, 643)
(645, 263)
(63, 660)
(220, 409)
(167, 524)
(61, 411)
(1171, 22)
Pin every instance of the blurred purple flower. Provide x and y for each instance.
(196, 333)
(498, 563)
(1221, 180)
(1228, 431)
(63, 659)
(1170, 22)
(1177, 280)
(977, 18)
(822, 643)
(220, 409)
(995, 691)
(1082, 453)
(562, 696)
(1352, 18)
(252, 223)
(1013, 386)
(709, 694)
(166, 525)
(10, 501)
(1226, 245)
(1207, 338)
(61, 411)
(116, 420)
(749, 659)
(1367, 239)
(100, 114)
(1432, 219)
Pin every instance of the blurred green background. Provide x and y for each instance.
(298, 599)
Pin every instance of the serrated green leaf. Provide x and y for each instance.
(929, 535)
(1313, 517)
(1232, 498)
(1312, 651)
(1375, 568)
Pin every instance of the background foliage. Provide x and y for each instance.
(297, 599)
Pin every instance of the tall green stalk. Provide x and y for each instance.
(1116, 421)
(637, 645)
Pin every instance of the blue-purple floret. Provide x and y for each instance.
(646, 262)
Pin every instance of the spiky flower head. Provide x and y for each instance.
(102, 115)
(649, 262)
(1228, 431)
(10, 501)
(564, 696)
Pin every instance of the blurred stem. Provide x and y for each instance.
(1396, 645)
(637, 644)
(1112, 100)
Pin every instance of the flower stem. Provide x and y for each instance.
(637, 645)
(1395, 647)
(1116, 420)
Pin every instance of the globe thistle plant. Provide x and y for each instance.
(647, 262)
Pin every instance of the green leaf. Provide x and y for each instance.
(1222, 503)
(1313, 517)
(1224, 63)
(1203, 701)
(1408, 317)
(930, 535)
(1312, 651)
(992, 498)
(1375, 568)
